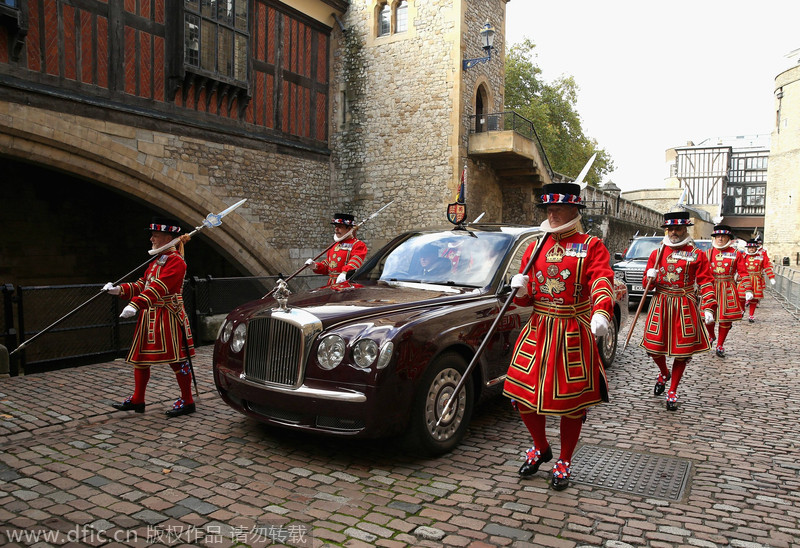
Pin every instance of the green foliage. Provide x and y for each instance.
(552, 109)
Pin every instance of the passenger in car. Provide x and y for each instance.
(431, 265)
(556, 367)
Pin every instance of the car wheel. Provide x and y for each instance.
(607, 344)
(426, 433)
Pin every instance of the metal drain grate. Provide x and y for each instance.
(637, 473)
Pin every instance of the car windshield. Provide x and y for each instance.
(456, 258)
(641, 248)
(702, 244)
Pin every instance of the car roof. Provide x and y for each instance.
(512, 229)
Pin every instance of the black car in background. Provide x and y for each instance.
(632, 263)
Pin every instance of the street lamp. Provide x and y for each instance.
(487, 39)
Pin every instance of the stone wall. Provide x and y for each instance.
(187, 178)
(782, 221)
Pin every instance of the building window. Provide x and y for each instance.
(216, 38)
(402, 16)
(392, 17)
(384, 20)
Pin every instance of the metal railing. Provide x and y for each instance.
(509, 121)
(787, 287)
(95, 332)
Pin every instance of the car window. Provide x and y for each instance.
(516, 262)
(642, 248)
(453, 258)
(702, 244)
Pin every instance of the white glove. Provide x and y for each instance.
(708, 316)
(520, 282)
(128, 312)
(772, 281)
(341, 278)
(599, 325)
(112, 289)
(652, 273)
(748, 296)
(309, 262)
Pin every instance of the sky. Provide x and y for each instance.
(654, 75)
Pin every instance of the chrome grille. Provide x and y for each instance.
(634, 275)
(274, 351)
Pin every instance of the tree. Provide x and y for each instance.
(552, 109)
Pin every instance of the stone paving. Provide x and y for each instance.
(74, 471)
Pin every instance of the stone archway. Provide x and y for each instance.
(144, 165)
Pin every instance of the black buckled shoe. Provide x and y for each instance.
(751, 319)
(533, 459)
(661, 383)
(181, 408)
(561, 473)
(128, 405)
(672, 401)
(720, 352)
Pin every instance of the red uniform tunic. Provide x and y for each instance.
(556, 368)
(162, 321)
(674, 326)
(756, 264)
(727, 268)
(346, 255)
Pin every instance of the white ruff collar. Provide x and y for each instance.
(721, 247)
(545, 226)
(679, 244)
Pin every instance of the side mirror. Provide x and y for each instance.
(617, 256)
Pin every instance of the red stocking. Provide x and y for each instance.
(184, 376)
(723, 333)
(753, 304)
(570, 432)
(141, 374)
(536, 426)
(678, 366)
(661, 362)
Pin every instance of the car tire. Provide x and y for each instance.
(607, 344)
(435, 388)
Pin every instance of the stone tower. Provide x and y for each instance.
(401, 113)
(782, 222)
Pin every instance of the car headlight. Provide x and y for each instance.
(330, 352)
(225, 334)
(386, 355)
(365, 352)
(237, 341)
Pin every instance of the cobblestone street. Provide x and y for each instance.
(77, 471)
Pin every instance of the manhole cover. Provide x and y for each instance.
(638, 473)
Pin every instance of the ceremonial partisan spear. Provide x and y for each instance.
(282, 282)
(212, 220)
(504, 308)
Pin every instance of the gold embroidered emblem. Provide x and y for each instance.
(552, 286)
(552, 270)
(671, 277)
(556, 254)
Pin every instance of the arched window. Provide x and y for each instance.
(401, 16)
(384, 20)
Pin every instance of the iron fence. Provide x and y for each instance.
(787, 287)
(89, 329)
(509, 121)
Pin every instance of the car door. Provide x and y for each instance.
(498, 351)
